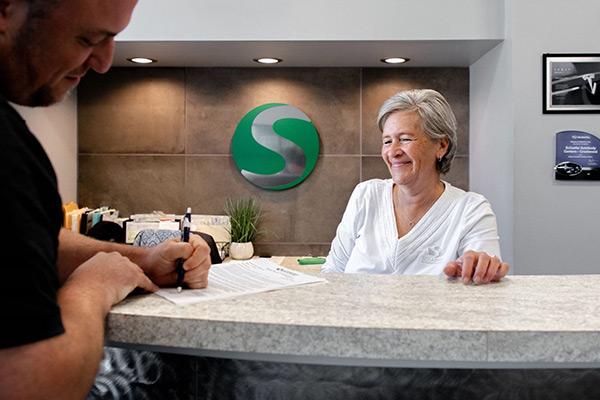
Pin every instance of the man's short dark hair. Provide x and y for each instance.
(39, 9)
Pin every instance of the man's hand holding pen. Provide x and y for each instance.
(162, 260)
(186, 226)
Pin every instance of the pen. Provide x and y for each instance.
(185, 237)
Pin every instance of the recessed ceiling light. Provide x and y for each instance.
(395, 60)
(141, 60)
(268, 60)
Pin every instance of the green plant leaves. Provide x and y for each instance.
(245, 215)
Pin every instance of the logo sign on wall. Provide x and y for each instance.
(275, 146)
(577, 156)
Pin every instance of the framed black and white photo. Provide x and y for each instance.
(571, 83)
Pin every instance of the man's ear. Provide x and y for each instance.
(12, 12)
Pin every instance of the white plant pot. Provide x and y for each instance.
(241, 251)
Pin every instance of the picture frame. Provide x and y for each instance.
(571, 83)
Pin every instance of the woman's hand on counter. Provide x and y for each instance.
(477, 267)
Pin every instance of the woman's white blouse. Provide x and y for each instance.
(367, 241)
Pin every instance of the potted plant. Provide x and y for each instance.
(244, 218)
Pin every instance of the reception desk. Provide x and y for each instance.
(388, 321)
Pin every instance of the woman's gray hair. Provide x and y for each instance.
(436, 116)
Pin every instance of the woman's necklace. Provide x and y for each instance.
(412, 220)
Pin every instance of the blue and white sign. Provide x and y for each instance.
(577, 156)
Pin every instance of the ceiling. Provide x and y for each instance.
(422, 53)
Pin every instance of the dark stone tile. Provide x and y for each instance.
(217, 98)
(239, 379)
(374, 167)
(132, 110)
(307, 213)
(381, 83)
(132, 184)
(135, 374)
(181, 374)
(292, 249)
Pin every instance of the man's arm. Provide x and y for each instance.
(157, 262)
(74, 249)
(64, 367)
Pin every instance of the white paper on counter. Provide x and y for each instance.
(240, 278)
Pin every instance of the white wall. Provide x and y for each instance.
(56, 129)
(222, 20)
(556, 224)
(491, 139)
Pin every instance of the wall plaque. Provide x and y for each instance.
(577, 156)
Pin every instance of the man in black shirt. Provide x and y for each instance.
(56, 287)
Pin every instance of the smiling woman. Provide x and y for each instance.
(415, 223)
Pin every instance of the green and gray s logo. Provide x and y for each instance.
(275, 146)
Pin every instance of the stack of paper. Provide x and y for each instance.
(240, 278)
(215, 225)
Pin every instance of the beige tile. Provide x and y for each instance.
(217, 98)
(132, 110)
(307, 213)
(211, 180)
(374, 167)
(321, 205)
(379, 84)
(132, 184)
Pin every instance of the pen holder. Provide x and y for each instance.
(241, 251)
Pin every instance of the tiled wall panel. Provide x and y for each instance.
(218, 98)
(159, 139)
(132, 111)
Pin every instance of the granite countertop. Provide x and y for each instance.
(540, 321)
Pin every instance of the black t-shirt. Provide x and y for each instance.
(31, 217)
